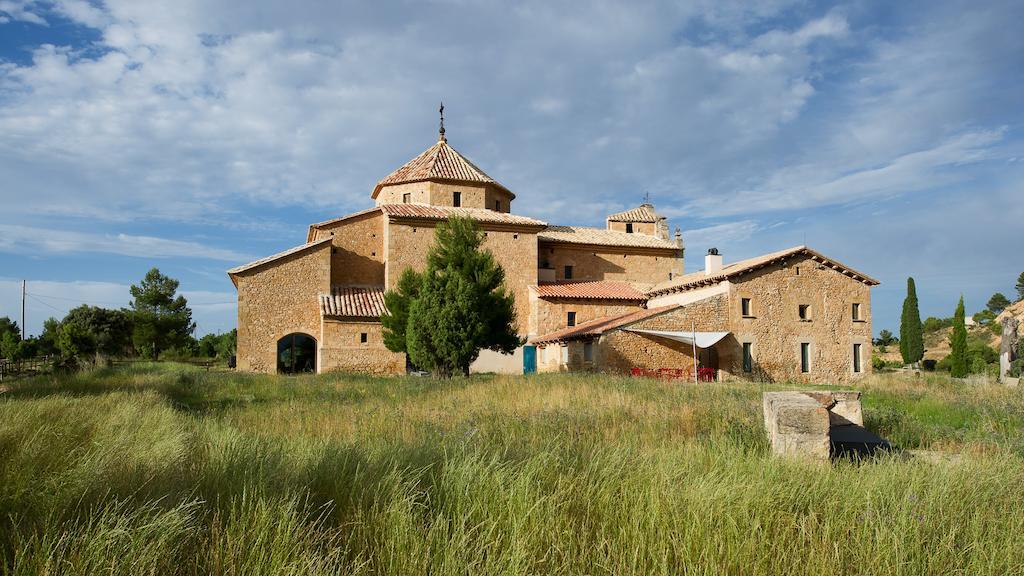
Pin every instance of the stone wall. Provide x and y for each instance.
(638, 265)
(649, 228)
(343, 350)
(620, 351)
(516, 251)
(550, 314)
(358, 257)
(776, 331)
(442, 194)
(277, 299)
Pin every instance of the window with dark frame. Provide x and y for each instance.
(745, 307)
(570, 319)
(362, 338)
(855, 310)
(748, 357)
(456, 199)
(406, 198)
(805, 357)
(856, 359)
(629, 227)
(568, 272)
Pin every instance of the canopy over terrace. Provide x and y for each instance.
(699, 339)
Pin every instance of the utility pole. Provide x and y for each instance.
(23, 309)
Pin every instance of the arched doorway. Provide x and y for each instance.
(296, 353)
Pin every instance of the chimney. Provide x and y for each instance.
(712, 262)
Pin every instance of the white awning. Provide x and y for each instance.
(703, 339)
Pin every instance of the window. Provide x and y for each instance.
(456, 199)
(362, 338)
(745, 307)
(855, 310)
(748, 357)
(565, 353)
(570, 319)
(588, 352)
(497, 205)
(805, 357)
(406, 198)
(670, 276)
(296, 353)
(629, 227)
(856, 359)
(797, 270)
(805, 312)
(568, 272)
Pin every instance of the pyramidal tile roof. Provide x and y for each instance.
(642, 213)
(428, 212)
(602, 237)
(698, 279)
(353, 302)
(600, 325)
(439, 162)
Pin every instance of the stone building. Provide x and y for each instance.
(608, 299)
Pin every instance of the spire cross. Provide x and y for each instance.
(440, 133)
(647, 197)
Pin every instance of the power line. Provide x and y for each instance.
(75, 300)
(32, 296)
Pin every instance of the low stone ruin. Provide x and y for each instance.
(817, 425)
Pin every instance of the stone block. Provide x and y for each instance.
(799, 423)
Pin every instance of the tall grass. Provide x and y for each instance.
(159, 469)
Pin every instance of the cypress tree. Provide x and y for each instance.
(456, 307)
(958, 343)
(911, 334)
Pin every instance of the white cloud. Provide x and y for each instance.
(31, 240)
(21, 10)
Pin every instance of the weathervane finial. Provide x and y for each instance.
(647, 197)
(440, 133)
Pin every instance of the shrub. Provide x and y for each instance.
(929, 365)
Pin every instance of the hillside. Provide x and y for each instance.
(160, 469)
(936, 343)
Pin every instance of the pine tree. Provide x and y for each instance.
(997, 303)
(458, 306)
(958, 343)
(1020, 287)
(160, 319)
(911, 337)
(396, 316)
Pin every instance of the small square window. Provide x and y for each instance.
(629, 227)
(406, 198)
(457, 199)
(805, 312)
(745, 307)
(568, 272)
(362, 338)
(855, 310)
(570, 319)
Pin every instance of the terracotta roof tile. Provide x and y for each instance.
(602, 237)
(443, 212)
(269, 259)
(600, 325)
(592, 290)
(698, 279)
(353, 301)
(642, 213)
(439, 162)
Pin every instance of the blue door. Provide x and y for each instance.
(529, 359)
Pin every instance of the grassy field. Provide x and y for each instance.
(166, 469)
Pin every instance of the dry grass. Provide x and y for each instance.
(164, 469)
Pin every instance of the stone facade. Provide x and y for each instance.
(630, 264)
(277, 299)
(331, 288)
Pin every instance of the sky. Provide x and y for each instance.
(197, 135)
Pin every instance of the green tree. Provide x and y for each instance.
(111, 330)
(227, 343)
(9, 326)
(208, 345)
(9, 346)
(395, 318)
(461, 304)
(958, 343)
(1020, 287)
(997, 303)
(911, 337)
(885, 338)
(161, 319)
(47, 342)
(74, 341)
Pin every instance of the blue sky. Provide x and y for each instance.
(197, 135)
